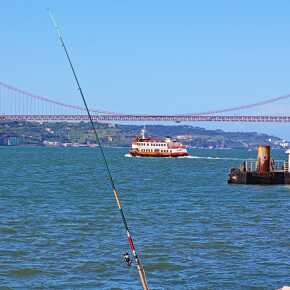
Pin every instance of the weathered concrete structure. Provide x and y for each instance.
(263, 171)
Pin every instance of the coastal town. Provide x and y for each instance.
(65, 134)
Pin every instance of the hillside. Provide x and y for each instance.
(27, 133)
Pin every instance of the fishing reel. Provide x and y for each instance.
(127, 259)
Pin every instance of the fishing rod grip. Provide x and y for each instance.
(143, 277)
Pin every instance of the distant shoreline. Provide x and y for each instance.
(57, 134)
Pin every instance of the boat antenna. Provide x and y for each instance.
(115, 191)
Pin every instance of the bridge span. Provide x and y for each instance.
(19, 105)
(147, 118)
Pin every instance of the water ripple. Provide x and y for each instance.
(60, 228)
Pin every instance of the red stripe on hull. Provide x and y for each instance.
(154, 154)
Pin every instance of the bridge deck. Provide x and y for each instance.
(153, 118)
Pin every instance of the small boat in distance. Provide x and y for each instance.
(152, 147)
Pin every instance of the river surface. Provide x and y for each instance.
(60, 227)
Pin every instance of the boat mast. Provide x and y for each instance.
(115, 191)
(143, 132)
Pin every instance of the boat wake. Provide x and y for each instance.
(211, 157)
(188, 157)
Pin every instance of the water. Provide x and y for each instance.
(60, 227)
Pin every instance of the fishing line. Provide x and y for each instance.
(140, 268)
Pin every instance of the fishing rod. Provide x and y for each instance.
(140, 268)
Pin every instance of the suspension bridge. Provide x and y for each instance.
(19, 105)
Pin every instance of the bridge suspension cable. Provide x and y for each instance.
(248, 106)
(39, 103)
(48, 100)
(56, 104)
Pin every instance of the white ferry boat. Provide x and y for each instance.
(151, 147)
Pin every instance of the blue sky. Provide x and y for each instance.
(153, 56)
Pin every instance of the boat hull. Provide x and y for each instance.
(158, 154)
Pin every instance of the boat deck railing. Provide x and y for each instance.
(276, 165)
